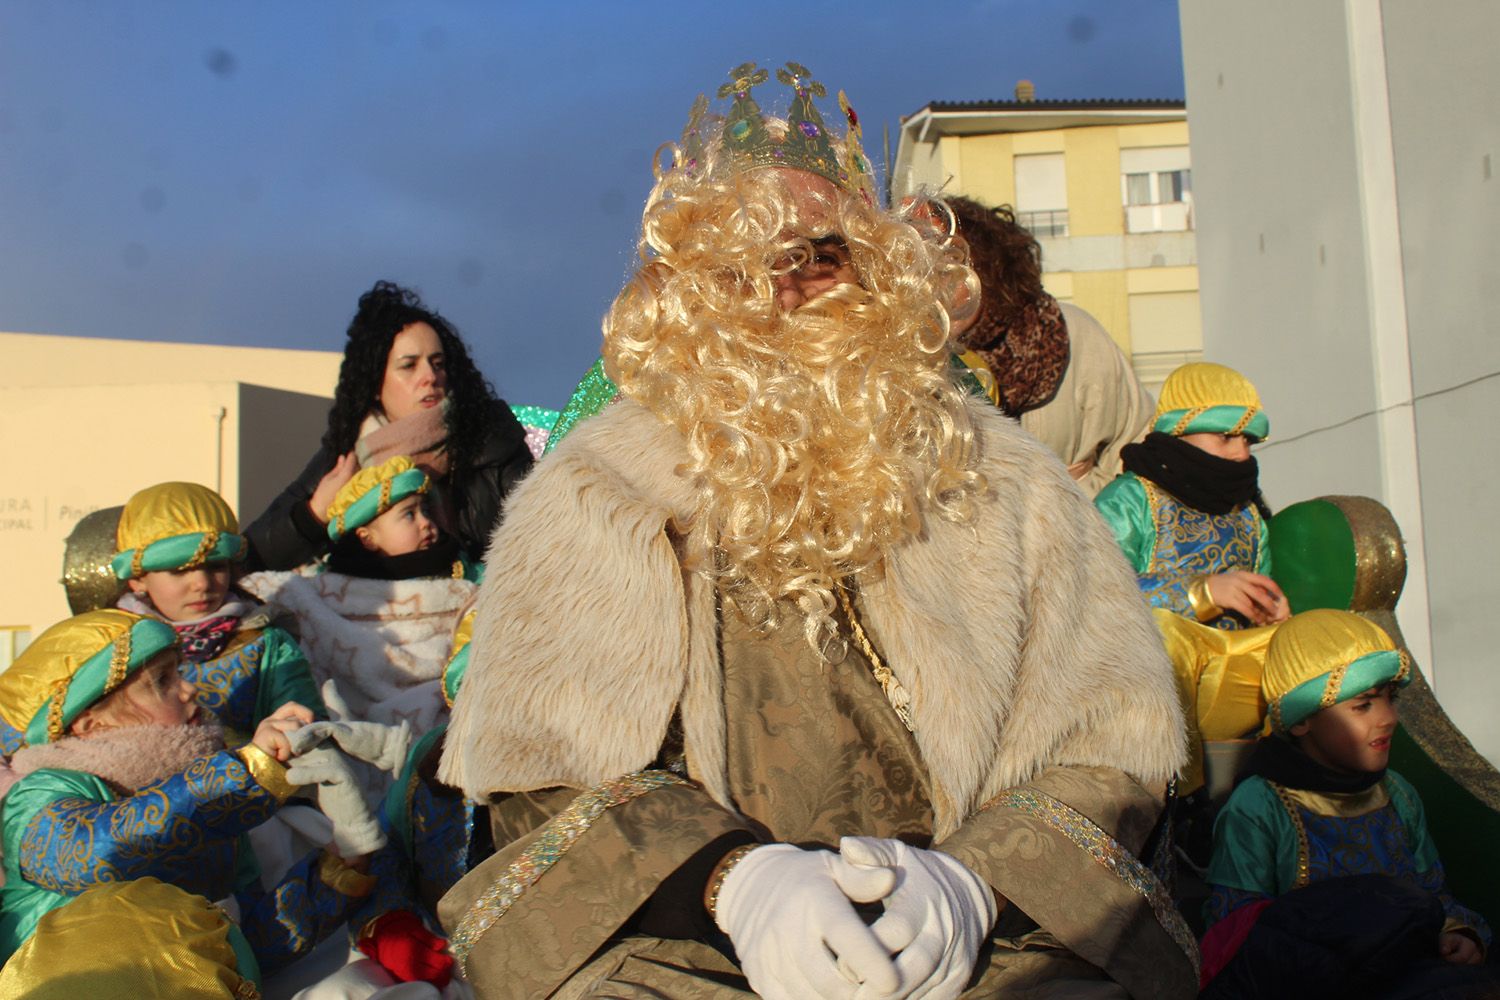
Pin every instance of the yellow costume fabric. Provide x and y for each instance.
(372, 492)
(50, 664)
(1205, 397)
(141, 938)
(173, 510)
(1219, 680)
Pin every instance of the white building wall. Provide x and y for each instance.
(1347, 229)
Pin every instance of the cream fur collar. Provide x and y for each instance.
(1021, 636)
(127, 758)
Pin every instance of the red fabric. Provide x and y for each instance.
(406, 949)
(1225, 937)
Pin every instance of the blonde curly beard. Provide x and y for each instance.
(820, 438)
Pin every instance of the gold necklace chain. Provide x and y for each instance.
(890, 685)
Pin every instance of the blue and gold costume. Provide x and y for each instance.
(260, 669)
(1173, 548)
(1271, 839)
(1173, 545)
(1276, 833)
(66, 829)
(244, 667)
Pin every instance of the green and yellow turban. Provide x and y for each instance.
(74, 664)
(372, 492)
(1320, 658)
(175, 526)
(1207, 398)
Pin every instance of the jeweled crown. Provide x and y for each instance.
(807, 145)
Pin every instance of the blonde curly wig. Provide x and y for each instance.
(819, 438)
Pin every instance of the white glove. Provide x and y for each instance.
(356, 831)
(788, 913)
(936, 919)
(372, 742)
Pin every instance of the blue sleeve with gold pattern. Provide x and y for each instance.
(313, 900)
(253, 677)
(69, 831)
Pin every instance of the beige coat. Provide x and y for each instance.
(1099, 408)
(1046, 720)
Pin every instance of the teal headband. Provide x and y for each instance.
(196, 548)
(453, 674)
(377, 501)
(1215, 420)
(101, 674)
(1340, 684)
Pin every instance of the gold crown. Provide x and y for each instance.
(807, 143)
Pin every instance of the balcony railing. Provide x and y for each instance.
(1053, 222)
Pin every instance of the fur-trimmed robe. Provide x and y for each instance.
(1019, 635)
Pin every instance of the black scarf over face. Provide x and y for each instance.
(1204, 482)
(1278, 759)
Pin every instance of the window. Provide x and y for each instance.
(1162, 187)
(1156, 185)
(1042, 194)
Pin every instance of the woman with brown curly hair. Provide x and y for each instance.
(1054, 367)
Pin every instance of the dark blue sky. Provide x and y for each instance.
(239, 173)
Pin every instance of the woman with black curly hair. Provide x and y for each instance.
(407, 386)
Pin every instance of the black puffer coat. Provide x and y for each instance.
(287, 534)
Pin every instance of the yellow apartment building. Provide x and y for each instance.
(1104, 185)
(86, 422)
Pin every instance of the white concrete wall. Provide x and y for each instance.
(1444, 87)
(1347, 236)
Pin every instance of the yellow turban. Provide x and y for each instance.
(74, 664)
(1204, 397)
(175, 526)
(372, 492)
(1320, 658)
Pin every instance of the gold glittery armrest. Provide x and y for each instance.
(343, 879)
(267, 771)
(1204, 608)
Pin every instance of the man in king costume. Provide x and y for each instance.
(801, 670)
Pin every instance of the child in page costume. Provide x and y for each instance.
(178, 545)
(1324, 881)
(1186, 510)
(120, 781)
(773, 595)
(379, 622)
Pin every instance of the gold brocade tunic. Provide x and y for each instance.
(815, 752)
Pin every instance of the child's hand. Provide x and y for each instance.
(1460, 949)
(1256, 597)
(328, 487)
(270, 735)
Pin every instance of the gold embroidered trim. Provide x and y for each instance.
(206, 545)
(384, 503)
(890, 684)
(1110, 853)
(1332, 686)
(268, 772)
(556, 838)
(1244, 421)
(1187, 418)
(55, 709)
(119, 663)
(1303, 867)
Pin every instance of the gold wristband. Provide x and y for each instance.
(720, 873)
(1204, 608)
